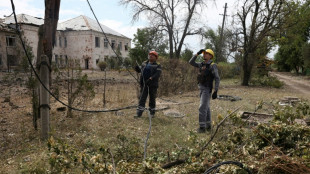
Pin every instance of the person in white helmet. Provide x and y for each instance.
(208, 73)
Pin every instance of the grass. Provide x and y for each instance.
(23, 151)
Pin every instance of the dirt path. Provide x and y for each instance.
(299, 85)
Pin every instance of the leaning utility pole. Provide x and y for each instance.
(49, 32)
(221, 58)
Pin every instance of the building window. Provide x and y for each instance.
(106, 43)
(0, 59)
(97, 42)
(55, 41)
(66, 60)
(60, 42)
(65, 39)
(10, 41)
(113, 44)
(126, 47)
(120, 46)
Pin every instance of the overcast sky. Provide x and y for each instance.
(117, 17)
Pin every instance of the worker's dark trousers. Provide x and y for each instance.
(152, 92)
(204, 108)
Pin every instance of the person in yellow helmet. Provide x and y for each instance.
(208, 73)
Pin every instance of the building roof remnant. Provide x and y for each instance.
(80, 23)
(84, 23)
(24, 19)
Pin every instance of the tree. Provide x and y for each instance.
(213, 42)
(293, 38)
(166, 16)
(147, 39)
(187, 54)
(258, 20)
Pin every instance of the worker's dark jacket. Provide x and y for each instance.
(208, 73)
(149, 70)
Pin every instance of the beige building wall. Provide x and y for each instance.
(81, 45)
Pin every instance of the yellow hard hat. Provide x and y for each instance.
(210, 52)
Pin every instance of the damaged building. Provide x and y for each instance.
(80, 39)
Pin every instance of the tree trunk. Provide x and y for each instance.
(171, 44)
(247, 69)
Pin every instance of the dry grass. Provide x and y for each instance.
(22, 149)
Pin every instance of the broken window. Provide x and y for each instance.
(106, 43)
(113, 44)
(120, 46)
(60, 42)
(126, 47)
(10, 41)
(65, 39)
(97, 40)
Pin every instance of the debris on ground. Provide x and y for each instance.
(289, 101)
(229, 97)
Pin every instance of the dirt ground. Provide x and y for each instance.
(21, 147)
(299, 84)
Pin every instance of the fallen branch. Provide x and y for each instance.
(227, 162)
(181, 161)
(174, 163)
(217, 128)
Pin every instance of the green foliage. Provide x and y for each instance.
(64, 158)
(290, 55)
(24, 64)
(266, 81)
(214, 42)
(114, 63)
(288, 114)
(147, 39)
(287, 137)
(102, 65)
(228, 70)
(187, 54)
(306, 56)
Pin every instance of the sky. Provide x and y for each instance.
(118, 17)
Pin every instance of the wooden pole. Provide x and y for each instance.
(220, 56)
(44, 97)
(49, 32)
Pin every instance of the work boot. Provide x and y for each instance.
(208, 127)
(201, 130)
(138, 115)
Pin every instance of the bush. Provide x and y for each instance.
(267, 81)
(177, 76)
(228, 70)
(102, 65)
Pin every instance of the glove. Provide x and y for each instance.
(200, 51)
(214, 95)
(137, 69)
